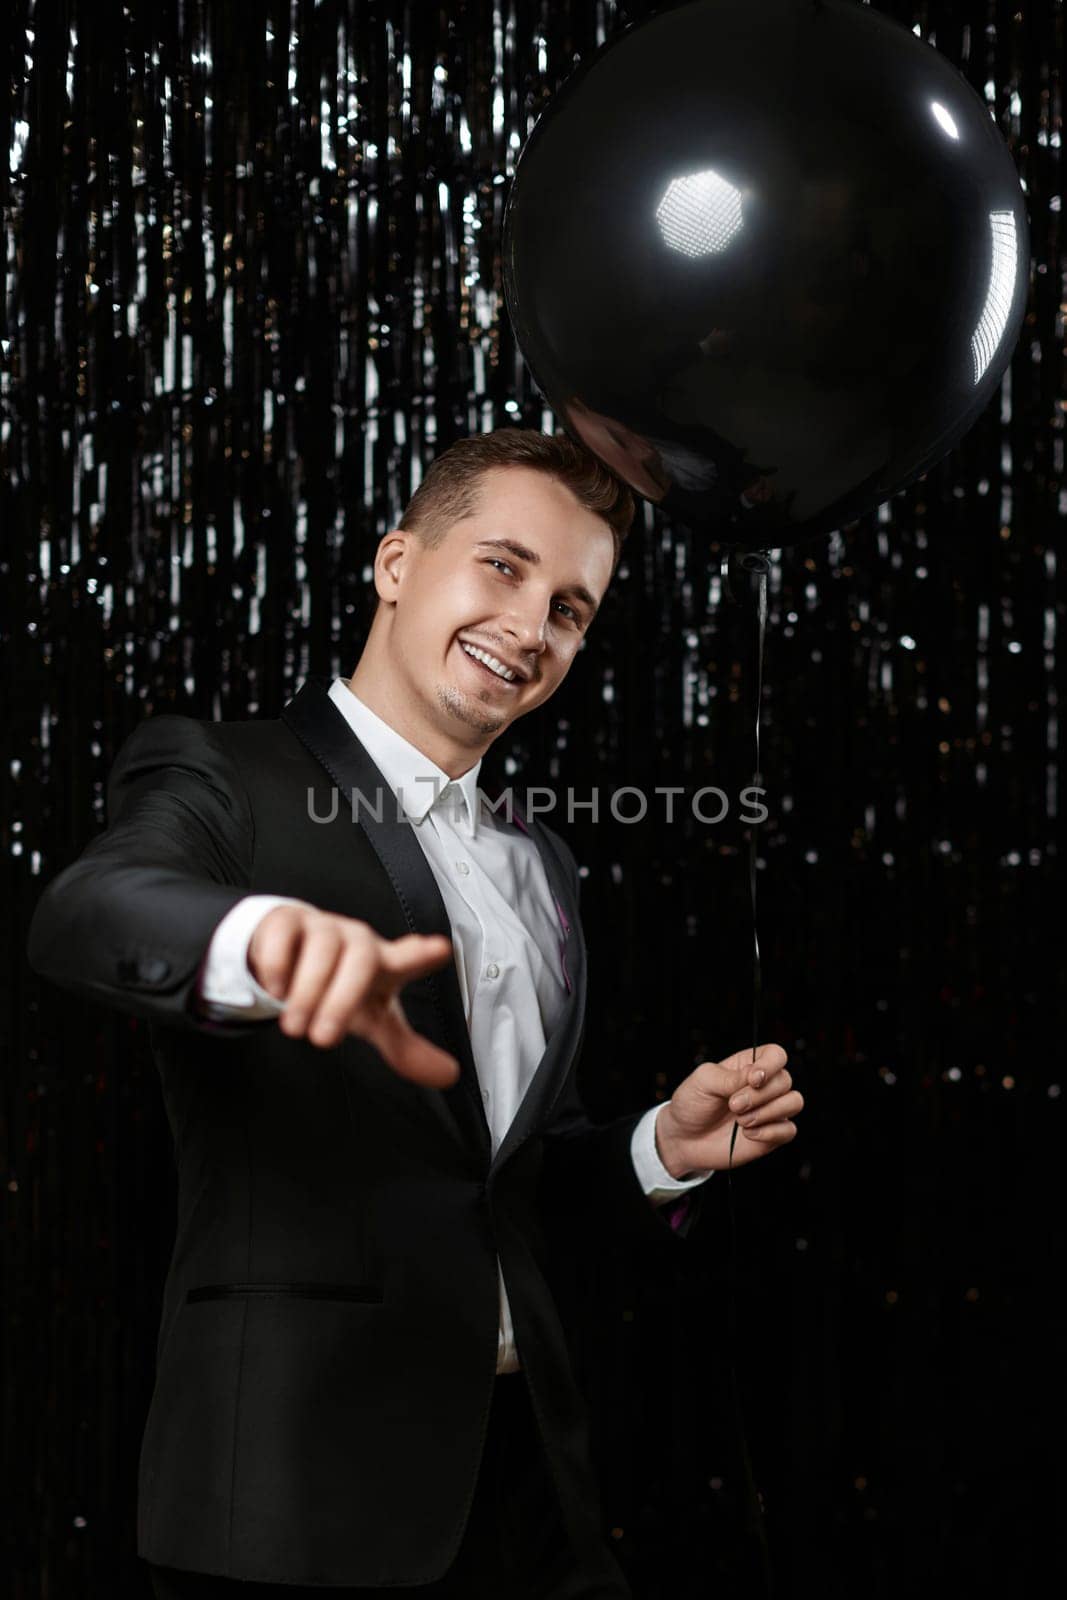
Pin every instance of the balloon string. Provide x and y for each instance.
(757, 562)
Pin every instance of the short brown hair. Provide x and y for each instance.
(449, 491)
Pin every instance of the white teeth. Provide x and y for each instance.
(489, 661)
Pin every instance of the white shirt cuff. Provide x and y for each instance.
(227, 987)
(652, 1175)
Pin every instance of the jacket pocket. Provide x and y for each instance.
(368, 1293)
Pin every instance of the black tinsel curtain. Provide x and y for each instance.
(251, 286)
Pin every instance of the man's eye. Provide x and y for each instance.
(498, 561)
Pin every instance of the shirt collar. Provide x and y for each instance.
(416, 780)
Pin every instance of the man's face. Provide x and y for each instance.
(527, 606)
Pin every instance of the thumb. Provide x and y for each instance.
(725, 1077)
(408, 1052)
(767, 1058)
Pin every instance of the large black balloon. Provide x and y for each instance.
(768, 259)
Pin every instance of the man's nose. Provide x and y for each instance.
(527, 628)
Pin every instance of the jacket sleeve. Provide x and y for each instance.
(588, 1177)
(128, 923)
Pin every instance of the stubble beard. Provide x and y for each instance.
(468, 710)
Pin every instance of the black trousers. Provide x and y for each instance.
(514, 1547)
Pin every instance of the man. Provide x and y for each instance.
(362, 1376)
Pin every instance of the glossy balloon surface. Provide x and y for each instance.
(769, 260)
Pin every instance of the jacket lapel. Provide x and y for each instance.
(551, 1072)
(432, 1004)
(321, 728)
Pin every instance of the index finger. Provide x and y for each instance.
(413, 954)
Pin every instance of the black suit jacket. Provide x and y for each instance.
(328, 1342)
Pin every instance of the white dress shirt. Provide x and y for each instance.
(505, 940)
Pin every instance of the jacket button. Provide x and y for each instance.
(154, 969)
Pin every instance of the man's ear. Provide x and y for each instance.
(389, 560)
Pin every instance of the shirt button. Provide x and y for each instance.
(485, 1096)
(492, 970)
(461, 866)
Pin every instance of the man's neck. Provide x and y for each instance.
(444, 753)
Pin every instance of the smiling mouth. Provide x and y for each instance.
(487, 674)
